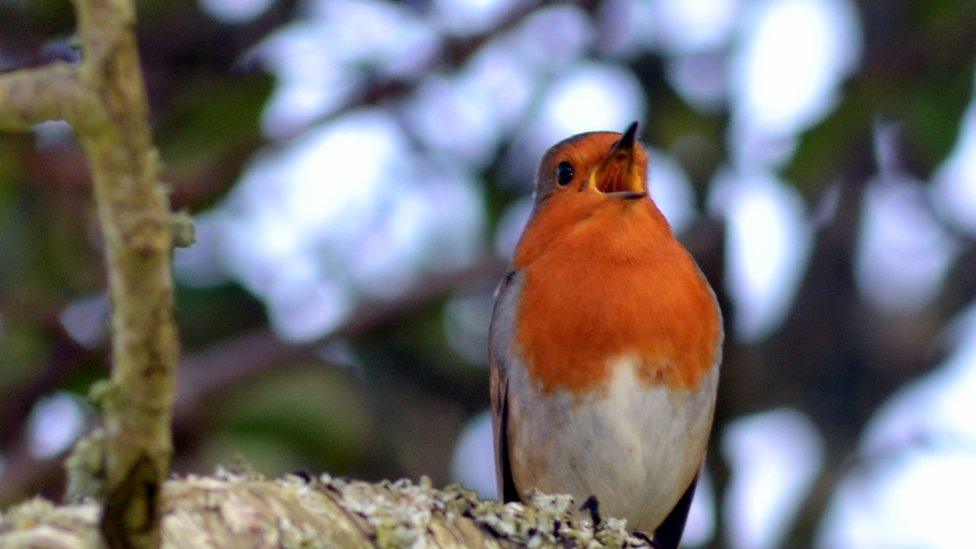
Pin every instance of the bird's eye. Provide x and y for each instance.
(564, 173)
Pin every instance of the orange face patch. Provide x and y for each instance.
(604, 278)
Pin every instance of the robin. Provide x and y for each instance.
(605, 344)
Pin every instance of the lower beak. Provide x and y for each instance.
(617, 172)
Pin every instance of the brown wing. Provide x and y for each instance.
(668, 534)
(500, 341)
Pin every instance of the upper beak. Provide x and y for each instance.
(617, 172)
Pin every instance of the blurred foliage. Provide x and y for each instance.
(319, 419)
(214, 313)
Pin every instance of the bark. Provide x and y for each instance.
(104, 99)
(242, 509)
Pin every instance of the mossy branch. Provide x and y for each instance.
(104, 99)
(245, 510)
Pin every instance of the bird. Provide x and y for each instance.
(604, 345)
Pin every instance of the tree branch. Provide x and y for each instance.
(134, 214)
(246, 510)
(31, 96)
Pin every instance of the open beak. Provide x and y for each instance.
(617, 173)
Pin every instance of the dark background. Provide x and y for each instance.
(359, 171)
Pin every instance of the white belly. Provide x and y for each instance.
(635, 447)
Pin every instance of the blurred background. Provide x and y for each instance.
(359, 172)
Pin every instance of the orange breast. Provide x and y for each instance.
(607, 279)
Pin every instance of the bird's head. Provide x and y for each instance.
(604, 165)
(592, 188)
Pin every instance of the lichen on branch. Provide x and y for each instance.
(243, 509)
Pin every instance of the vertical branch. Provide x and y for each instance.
(105, 100)
(134, 214)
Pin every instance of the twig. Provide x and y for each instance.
(30, 96)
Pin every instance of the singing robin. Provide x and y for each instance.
(605, 344)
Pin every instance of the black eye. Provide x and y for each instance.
(564, 173)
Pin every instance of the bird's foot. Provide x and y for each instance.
(646, 538)
(593, 506)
